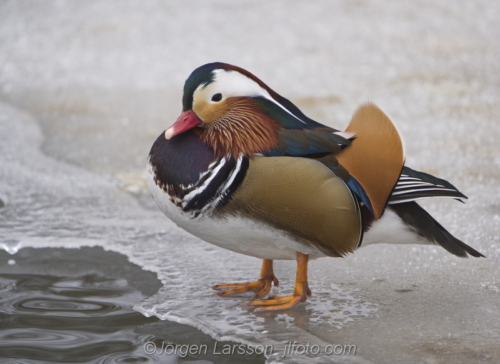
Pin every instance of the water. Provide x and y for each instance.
(60, 319)
(75, 306)
(86, 87)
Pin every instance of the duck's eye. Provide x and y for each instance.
(217, 97)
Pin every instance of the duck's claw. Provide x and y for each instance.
(261, 287)
(300, 292)
(276, 303)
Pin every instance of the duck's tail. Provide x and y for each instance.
(423, 224)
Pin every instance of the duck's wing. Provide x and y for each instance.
(370, 164)
(376, 157)
(414, 185)
(303, 199)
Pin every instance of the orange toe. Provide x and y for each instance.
(262, 287)
(278, 303)
(300, 292)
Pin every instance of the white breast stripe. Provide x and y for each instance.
(201, 188)
(222, 191)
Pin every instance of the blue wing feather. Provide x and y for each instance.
(358, 190)
(300, 143)
(304, 137)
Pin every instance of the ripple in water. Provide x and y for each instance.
(85, 318)
(63, 320)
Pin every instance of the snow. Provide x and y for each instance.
(85, 88)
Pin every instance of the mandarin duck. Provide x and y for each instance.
(244, 169)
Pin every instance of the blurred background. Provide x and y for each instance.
(105, 78)
(102, 79)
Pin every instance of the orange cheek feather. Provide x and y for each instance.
(238, 126)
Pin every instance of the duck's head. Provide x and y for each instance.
(232, 111)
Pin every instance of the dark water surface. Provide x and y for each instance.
(75, 306)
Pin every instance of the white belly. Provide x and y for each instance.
(390, 229)
(238, 234)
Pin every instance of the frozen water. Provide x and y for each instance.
(53, 204)
(104, 79)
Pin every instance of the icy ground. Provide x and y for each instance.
(85, 87)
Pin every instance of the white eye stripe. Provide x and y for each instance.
(234, 84)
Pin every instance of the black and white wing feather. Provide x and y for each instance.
(414, 185)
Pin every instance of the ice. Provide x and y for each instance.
(86, 209)
(85, 88)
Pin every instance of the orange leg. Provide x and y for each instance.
(300, 293)
(262, 286)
